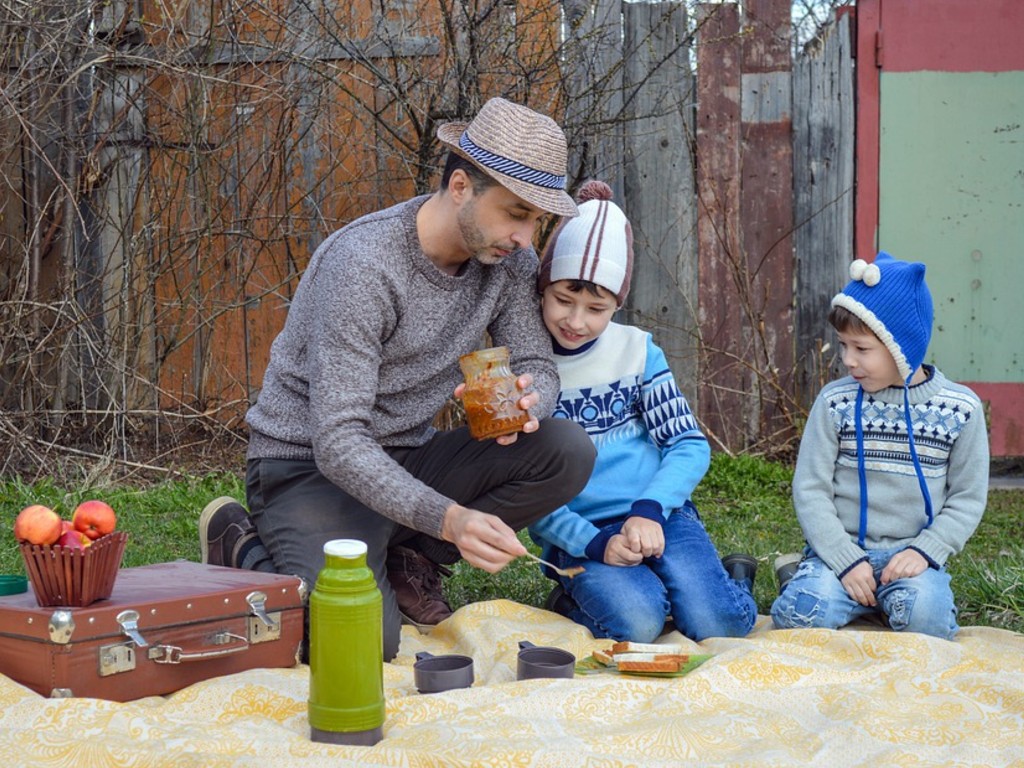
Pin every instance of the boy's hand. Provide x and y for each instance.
(618, 552)
(859, 584)
(526, 402)
(904, 565)
(644, 536)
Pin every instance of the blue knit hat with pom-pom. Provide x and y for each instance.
(891, 298)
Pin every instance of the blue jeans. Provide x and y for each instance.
(815, 597)
(687, 583)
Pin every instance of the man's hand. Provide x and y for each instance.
(904, 565)
(526, 402)
(859, 583)
(618, 552)
(644, 536)
(484, 540)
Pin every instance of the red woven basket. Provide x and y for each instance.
(74, 577)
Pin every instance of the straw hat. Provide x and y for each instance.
(523, 150)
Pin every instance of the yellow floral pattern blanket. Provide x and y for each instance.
(853, 697)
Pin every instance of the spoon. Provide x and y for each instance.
(576, 570)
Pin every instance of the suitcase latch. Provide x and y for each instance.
(258, 604)
(263, 626)
(115, 659)
(129, 621)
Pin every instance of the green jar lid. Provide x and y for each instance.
(13, 585)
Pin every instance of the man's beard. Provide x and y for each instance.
(474, 238)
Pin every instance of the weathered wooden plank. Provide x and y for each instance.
(718, 193)
(766, 216)
(659, 182)
(593, 116)
(823, 183)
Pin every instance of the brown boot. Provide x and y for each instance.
(416, 581)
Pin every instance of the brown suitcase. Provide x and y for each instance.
(163, 628)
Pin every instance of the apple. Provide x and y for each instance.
(37, 524)
(94, 518)
(73, 539)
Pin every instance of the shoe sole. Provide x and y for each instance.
(783, 560)
(745, 559)
(204, 521)
(785, 567)
(423, 628)
(787, 561)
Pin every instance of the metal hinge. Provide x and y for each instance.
(263, 627)
(129, 622)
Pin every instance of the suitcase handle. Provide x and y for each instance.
(173, 654)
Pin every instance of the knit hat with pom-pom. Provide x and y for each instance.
(892, 299)
(596, 246)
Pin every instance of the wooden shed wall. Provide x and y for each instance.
(269, 125)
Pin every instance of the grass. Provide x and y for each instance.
(744, 502)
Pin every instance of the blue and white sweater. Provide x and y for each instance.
(650, 452)
(952, 448)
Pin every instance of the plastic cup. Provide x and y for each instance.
(434, 674)
(537, 661)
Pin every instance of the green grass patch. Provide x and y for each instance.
(160, 519)
(744, 501)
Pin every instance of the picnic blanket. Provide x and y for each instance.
(833, 698)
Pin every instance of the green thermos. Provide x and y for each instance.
(346, 649)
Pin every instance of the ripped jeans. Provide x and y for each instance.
(815, 597)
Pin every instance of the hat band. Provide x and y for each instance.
(509, 167)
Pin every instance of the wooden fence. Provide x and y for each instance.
(172, 170)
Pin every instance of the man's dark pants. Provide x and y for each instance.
(296, 509)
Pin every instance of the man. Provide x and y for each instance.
(341, 442)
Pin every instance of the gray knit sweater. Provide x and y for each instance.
(952, 447)
(369, 354)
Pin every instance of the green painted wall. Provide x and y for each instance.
(951, 194)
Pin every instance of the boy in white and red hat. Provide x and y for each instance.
(634, 528)
(892, 474)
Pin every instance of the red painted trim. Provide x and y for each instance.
(868, 16)
(954, 36)
(1005, 405)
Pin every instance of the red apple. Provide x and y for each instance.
(94, 518)
(37, 524)
(73, 539)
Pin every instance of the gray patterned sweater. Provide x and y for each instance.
(952, 447)
(369, 354)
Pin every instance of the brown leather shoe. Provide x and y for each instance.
(417, 584)
(225, 532)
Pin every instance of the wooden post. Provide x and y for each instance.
(823, 143)
(766, 217)
(593, 116)
(659, 183)
(718, 199)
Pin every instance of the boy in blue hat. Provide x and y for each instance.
(892, 474)
(633, 528)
